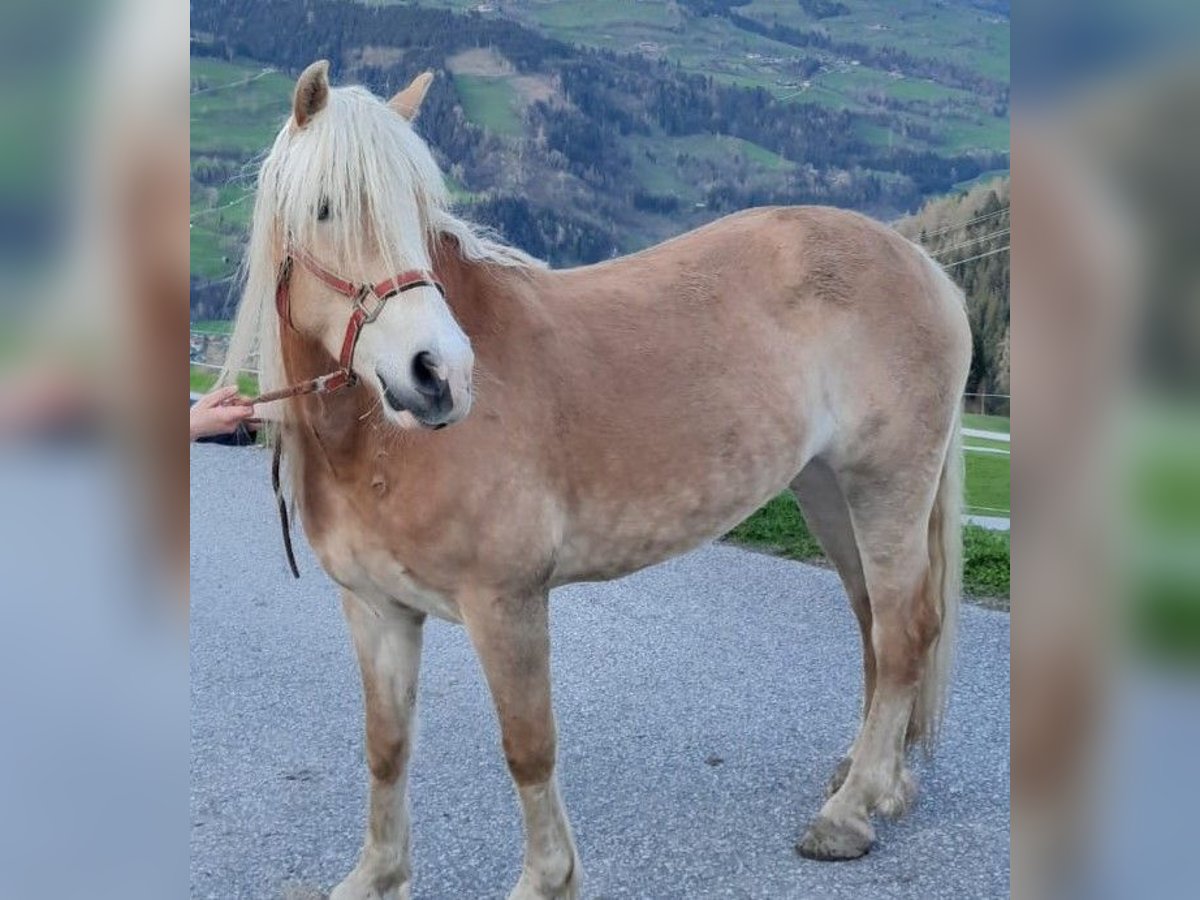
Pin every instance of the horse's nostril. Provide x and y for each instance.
(428, 397)
(425, 375)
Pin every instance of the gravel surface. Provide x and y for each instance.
(702, 706)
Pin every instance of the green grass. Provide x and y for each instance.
(779, 527)
(987, 423)
(591, 15)
(490, 102)
(213, 326)
(988, 483)
(656, 169)
(945, 31)
(759, 155)
(987, 562)
(916, 89)
(983, 132)
(203, 379)
(240, 109)
(723, 149)
(995, 449)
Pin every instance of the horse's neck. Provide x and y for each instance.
(490, 302)
(502, 312)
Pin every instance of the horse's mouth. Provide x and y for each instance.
(392, 399)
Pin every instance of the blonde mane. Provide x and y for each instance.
(369, 166)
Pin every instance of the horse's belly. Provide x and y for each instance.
(610, 540)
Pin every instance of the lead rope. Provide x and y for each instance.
(284, 521)
(325, 384)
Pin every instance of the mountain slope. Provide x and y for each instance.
(572, 152)
(938, 72)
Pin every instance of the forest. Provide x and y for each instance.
(969, 234)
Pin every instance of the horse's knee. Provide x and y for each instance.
(387, 747)
(386, 763)
(530, 754)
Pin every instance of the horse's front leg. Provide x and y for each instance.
(512, 638)
(388, 644)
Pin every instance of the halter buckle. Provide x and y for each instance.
(369, 315)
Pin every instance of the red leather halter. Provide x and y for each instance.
(343, 375)
(377, 295)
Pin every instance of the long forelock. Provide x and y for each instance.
(377, 177)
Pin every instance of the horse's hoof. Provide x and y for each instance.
(569, 889)
(826, 840)
(839, 776)
(355, 889)
(525, 892)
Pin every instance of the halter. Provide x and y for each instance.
(343, 376)
(361, 294)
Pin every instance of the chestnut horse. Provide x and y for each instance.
(604, 419)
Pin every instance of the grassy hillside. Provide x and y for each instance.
(490, 101)
(930, 112)
(576, 154)
(236, 110)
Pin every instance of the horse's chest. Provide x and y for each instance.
(361, 564)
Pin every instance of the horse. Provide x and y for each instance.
(601, 419)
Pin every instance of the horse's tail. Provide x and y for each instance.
(942, 588)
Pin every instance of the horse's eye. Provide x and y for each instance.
(323, 211)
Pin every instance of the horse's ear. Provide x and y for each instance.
(408, 101)
(312, 92)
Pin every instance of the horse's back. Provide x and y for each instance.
(775, 293)
(781, 258)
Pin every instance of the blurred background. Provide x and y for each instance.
(579, 131)
(93, 465)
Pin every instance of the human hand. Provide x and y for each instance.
(219, 412)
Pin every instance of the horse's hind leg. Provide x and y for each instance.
(512, 639)
(388, 645)
(828, 518)
(891, 510)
